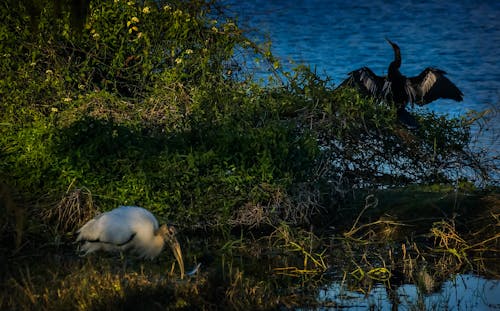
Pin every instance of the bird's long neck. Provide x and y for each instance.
(393, 71)
(397, 57)
(156, 246)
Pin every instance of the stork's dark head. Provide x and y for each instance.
(397, 53)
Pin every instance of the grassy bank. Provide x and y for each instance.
(285, 266)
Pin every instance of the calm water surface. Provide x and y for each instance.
(336, 37)
(463, 292)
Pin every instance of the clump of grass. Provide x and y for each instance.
(73, 210)
(301, 244)
(446, 239)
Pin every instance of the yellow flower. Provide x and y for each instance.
(135, 28)
(67, 99)
(128, 23)
(139, 35)
(167, 8)
(130, 3)
(96, 36)
(214, 29)
(189, 51)
(135, 20)
(178, 60)
(54, 109)
(145, 10)
(49, 72)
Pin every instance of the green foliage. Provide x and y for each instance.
(148, 104)
(124, 47)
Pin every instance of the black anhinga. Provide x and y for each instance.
(428, 86)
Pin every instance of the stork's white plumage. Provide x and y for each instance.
(128, 228)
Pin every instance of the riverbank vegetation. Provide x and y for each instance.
(165, 105)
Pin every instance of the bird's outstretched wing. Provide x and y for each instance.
(366, 82)
(431, 84)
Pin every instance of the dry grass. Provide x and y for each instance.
(73, 210)
(304, 245)
(281, 207)
(96, 284)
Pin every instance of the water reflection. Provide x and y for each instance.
(462, 292)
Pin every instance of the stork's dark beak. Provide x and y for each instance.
(176, 248)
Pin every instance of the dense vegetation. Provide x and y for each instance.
(158, 104)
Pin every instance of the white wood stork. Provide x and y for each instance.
(129, 228)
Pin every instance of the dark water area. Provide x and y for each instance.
(336, 37)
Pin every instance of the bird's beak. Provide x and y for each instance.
(176, 249)
(394, 45)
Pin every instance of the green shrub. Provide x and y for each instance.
(145, 105)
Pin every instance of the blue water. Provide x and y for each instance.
(335, 37)
(463, 292)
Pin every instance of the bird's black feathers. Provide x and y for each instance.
(366, 81)
(430, 85)
(108, 242)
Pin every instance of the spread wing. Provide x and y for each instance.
(366, 82)
(432, 84)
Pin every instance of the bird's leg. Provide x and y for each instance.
(124, 262)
